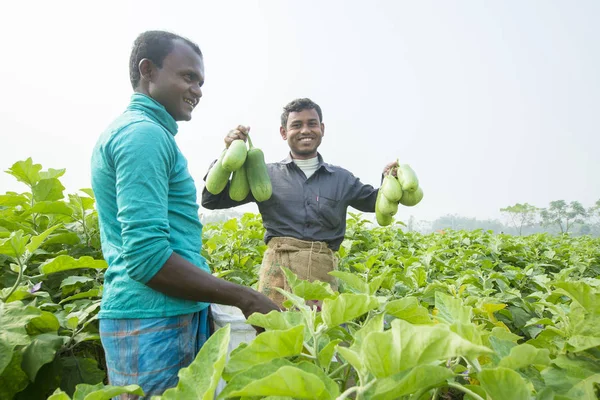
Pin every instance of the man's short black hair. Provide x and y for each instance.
(297, 106)
(155, 46)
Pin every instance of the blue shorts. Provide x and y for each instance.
(149, 352)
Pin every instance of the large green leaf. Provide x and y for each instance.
(525, 355)
(49, 207)
(36, 241)
(408, 309)
(77, 370)
(405, 346)
(408, 382)
(14, 317)
(65, 263)
(265, 347)
(48, 190)
(13, 379)
(287, 381)
(85, 391)
(503, 383)
(200, 379)
(452, 309)
(347, 307)
(26, 171)
(305, 289)
(276, 320)
(352, 281)
(252, 374)
(40, 351)
(14, 246)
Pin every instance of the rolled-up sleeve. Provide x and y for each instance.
(143, 155)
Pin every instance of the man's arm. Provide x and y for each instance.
(142, 159)
(363, 197)
(180, 278)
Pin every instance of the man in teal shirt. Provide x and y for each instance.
(153, 317)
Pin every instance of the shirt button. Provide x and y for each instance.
(307, 225)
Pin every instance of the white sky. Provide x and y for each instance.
(492, 103)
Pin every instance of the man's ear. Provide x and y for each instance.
(322, 129)
(283, 133)
(146, 68)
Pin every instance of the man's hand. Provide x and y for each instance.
(256, 302)
(241, 132)
(179, 278)
(390, 166)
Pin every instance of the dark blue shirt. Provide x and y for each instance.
(311, 209)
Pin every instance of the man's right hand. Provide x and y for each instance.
(254, 301)
(241, 132)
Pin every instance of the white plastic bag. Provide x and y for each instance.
(241, 332)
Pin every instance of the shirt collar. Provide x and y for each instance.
(154, 110)
(323, 164)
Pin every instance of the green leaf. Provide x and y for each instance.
(52, 173)
(452, 309)
(330, 385)
(40, 351)
(265, 347)
(504, 383)
(582, 293)
(45, 323)
(405, 346)
(408, 382)
(78, 370)
(276, 320)
(12, 379)
(14, 246)
(524, 355)
(200, 379)
(13, 199)
(352, 281)
(252, 374)
(59, 395)
(231, 225)
(327, 353)
(89, 192)
(26, 171)
(65, 263)
(353, 357)
(408, 309)
(90, 294)
(36, 241)
(48, 190)
(313, 290)
(14, 316)
(287, 381)
(49, 207)
(347, 307)
(85, 391)
(374, 324)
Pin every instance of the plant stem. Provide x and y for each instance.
(17, 282)
(332, 374)
(465, 390)
(250, 142)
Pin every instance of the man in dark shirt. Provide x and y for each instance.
(305, 218)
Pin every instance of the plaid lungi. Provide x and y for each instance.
(149, 352)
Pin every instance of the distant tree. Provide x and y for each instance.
(521, 215)
(563, 215)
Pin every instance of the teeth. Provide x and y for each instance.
(189, 102)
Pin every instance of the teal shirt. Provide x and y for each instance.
(147, 209)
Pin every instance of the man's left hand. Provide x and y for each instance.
(390, 166)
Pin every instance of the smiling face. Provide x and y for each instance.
(303, 132)
(177, 84)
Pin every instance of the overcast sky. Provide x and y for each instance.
(491, 102)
